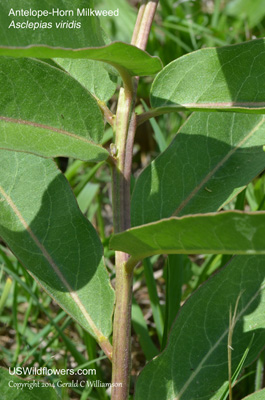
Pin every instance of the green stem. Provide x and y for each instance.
(138, 24)
(125, 125)
(122, 329)
(121, 173)
(144, 23)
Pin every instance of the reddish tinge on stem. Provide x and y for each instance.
(121, 175)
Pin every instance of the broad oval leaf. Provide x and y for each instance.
(260, 395)
(226, 78)
(212, 158)
(87, 41)
(194, 364)
(231, 232)
(43, 226)
(28, 389)
(95, 76)
(46, 112)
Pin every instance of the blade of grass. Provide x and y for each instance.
(154, 299)
(71, 347)
(34, 344)
(1, 271)
(174, 280)
(91, 346)
(158, 135)
(205, 32)
(259, 372)
(87, 363)
(87, 195)
(209, 266)
(15, 324)
(56, 336)
(5, 293)
(182, 22)
(37, 353)
(140, 327)
(192, 35)
(224, 392)
(86, 178)
(216, 13)
(73, 169)
(232, 324)
(53, 321)
(177, 40)
(261, 205)
(28, 311)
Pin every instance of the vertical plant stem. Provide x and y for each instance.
(121, 360)
(138, 23)
(144, 23)
(121, 173)
(121, 176)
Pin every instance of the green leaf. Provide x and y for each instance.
(46, 112)
(229, 232)
(194, 364)
(93, 75)
(212, 158)
(121, 55)
(260, 395)
(15, 388)
(43, 226)
(88, 35)
(87, 41)
(227, 78)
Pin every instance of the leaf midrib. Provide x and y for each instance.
(173, 250)
(50, 128)
(71, 291)
(84, 50)
(230, 105)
